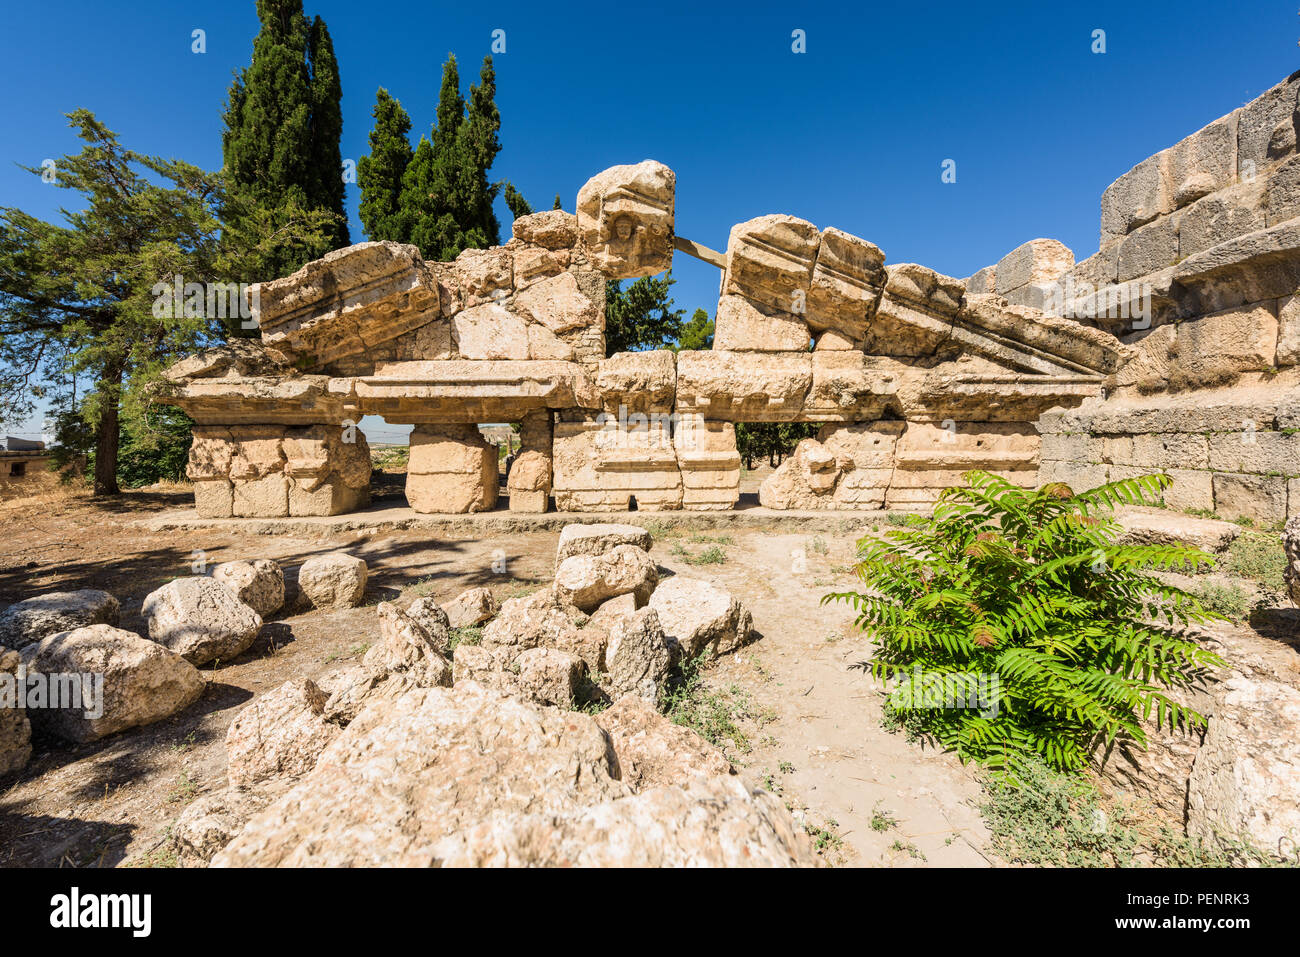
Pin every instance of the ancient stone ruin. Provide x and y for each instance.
(1175, 347)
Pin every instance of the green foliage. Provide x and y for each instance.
(1025, 596)
(641, 316)
(515, 202)
(379, 174)
(775, 440)
(446, 199)
(557, 202)
(697, 332)
(1260, 557)
(281, 140)
(82, 323)
(1227, 601)
(713, 555)
(714, 715)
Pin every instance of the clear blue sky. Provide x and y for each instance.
(851, 133)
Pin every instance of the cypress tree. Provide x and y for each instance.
(557, 202)
(479, 148)
(515, 201)
(325, 186)
(282, 125)
(379, 174)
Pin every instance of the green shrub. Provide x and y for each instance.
(1041, 635)
(1227, 601)
(1260, 557)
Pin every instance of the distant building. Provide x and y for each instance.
(23, 462)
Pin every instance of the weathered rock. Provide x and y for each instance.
(259, 584)
(541, 620)
(1162, 527)
(406, 645)
(452, 469)
(200, 619)
(1245, 784)
(355, 687)
(143, 682)
(698, 616)
(281, 734)
(716, 822)
(474, 606)
(652, 751)
(585, 581)
(1291, 544)
(804, 480)
(35, 618)
(549, 676)
(552, 229)
(637, 655)
(447, 758)
(599, 538)
(436, 622)
(625, 219)
(210, 822)
(333, 580)
(15, 729)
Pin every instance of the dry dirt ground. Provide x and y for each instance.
(807, 724)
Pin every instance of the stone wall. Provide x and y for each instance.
(1197, 273)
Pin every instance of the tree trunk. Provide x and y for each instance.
(106, 435)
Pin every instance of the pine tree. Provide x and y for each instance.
(557, 202)
(280, 143)
(379, 175)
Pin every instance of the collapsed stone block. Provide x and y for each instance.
(1037, 261)
(846, 283)
(452, 468)
(625, 219)
(806, 479)
(770, 261)
(746, 326)
(744, 386)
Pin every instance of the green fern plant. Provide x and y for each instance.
(1021, 601)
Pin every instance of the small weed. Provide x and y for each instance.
(1260, 557)
(464, 635)
(882, 820)
(185, 790)
(1226, 600)
(908, 848)
(712, 714)
(785, 767)
(185, 744)
(824, 838)
(818, 545)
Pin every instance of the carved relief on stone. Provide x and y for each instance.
(625, 219)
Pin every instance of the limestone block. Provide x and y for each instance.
(533, 264)
(40, 616)
(805, 480)
(832, 340)
(916, 312)
(200, 619)
(551, 229)
(1217, 347)
(452, 469)
(279, 735)
(1136, 198)
(333, 580)
(638, 381)
(606, 464)
(1266, 127)
(1192, 489)
(259, 583)
(864, 455)
(1226, 214)
(1282, 193)
(846, 283)
(1204, 162)
(625, 219)
(744, 386)
(1253, 451)
(848, 386)
(1037, 261)
(348, 301)
(15, 728)
(1146, 361)
(991, 446)
(746, 326)
(559, 305)
(983, 281)
(1261, 498)
(587, 581)
(489, 331)
(709, 463)
(770, 260)
(430, 341)
(483, 275)
(701, 617)
(1149, 248)
(599, 538)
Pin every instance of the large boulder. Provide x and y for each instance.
(429, 615)
(542, 620)
(412, 770)
(599, 538)
(1245, 783)
(281, 734)
(1291, 542)
(15, 729)
(142, 682)
(541, 675)
(35, 618)
(585, 581)
(475, 606)
(333, 580)
(469, 776)
(805, 480)
(698, 616)
(406, 646)
(259, 584)
(651, 751)
(638, 655)
(711, 822)
(200, 619)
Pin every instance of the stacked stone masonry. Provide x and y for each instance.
(1175, 347)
